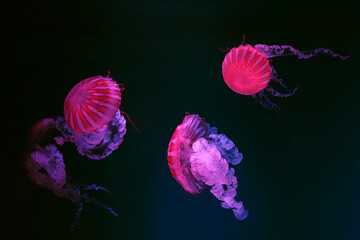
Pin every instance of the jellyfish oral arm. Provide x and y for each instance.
(208, 166)
(198, 158)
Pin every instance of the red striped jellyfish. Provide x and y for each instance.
(92, 118)
(45, 166)
(199, 157)
(247, 71)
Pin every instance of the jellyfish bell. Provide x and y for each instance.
(93, 123)
(92, 120)
(180, 151)
(92, 103)
(199, 157)
(246, 70)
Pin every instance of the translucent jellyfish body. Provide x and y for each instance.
(92, 118)
(98, 144)
(93, 123)
(247, 71)
(92, 103)
(198, 158)
(46, 167)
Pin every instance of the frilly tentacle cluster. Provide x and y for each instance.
(210, 164)
(98, 144)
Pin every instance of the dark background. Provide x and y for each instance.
(299, 178)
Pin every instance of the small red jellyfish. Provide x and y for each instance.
(92, 103)
(198, 158)
(246, 70)
(92, 117)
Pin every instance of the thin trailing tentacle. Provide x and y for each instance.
(96, 187)
(284, 50)
(77, 215)
(264, 101)
(281, 50)
(80, 206)
(96, 202)
(278, 94)
(274, 78)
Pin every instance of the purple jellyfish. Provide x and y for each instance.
(97, 144)
(46, 167)
(198, 157)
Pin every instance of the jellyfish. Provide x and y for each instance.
(247, 71)
(92, 120)
(199, 157)
(45, 166)
(98, 144)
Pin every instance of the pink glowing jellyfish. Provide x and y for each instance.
(246, 70)
(92, 118)
(198, 157)
(92, 103)
(46, 167)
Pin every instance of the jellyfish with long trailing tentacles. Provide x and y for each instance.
(45, 166)
(199, 157)
(246, 70)
(92, 120)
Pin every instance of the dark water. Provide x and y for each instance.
(299, 178)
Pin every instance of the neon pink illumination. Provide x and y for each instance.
(180, 151)
(246, 70)
(198, 158)
(92, 103)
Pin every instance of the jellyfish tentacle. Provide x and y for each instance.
(80, 209)
(98, 144)
(46, 167)
(312, 53)
(80, 206)
(198, 157)
(274, 77)
(280, 50)
(224, 50)
(212, 169)
(330, 52)
(236, 75)
(278, 94)
(227, 148)
(96, 188)
(264, 101)
(96, 202)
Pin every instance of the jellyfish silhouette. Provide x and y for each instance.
(92, 118)
(45, 166)
(199, 157)
(246, 70)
